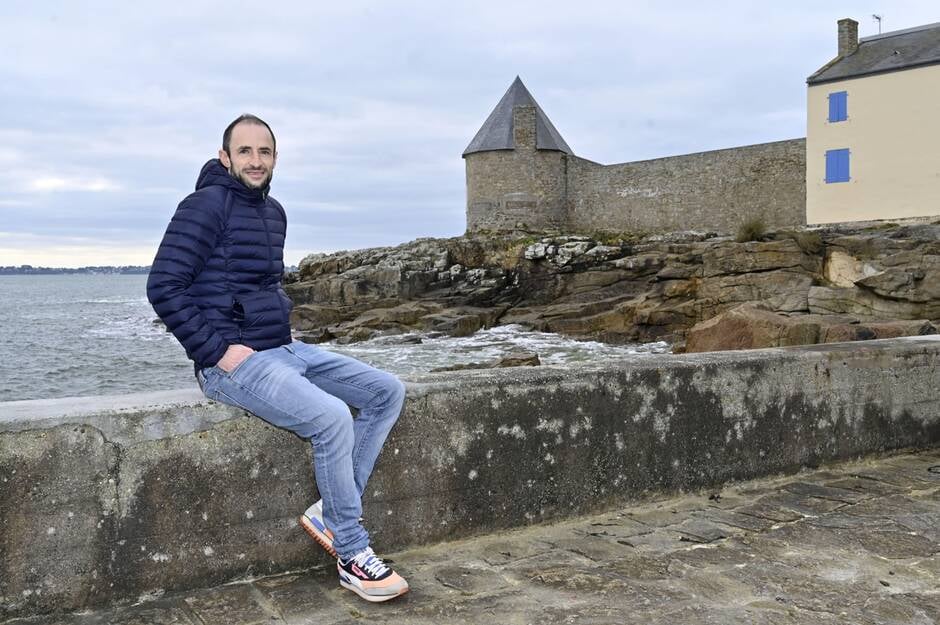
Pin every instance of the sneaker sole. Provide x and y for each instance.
(371, 598)
(318, 536)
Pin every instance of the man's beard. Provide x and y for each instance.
(247, 182)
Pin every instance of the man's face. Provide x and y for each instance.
(252, 157)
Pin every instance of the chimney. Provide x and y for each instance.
(524, 127)
(848, 37)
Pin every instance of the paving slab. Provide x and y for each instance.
(853, 543)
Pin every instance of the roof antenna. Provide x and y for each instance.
(878, 19)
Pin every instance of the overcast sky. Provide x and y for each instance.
(108, 109)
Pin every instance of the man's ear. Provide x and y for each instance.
(226, 161)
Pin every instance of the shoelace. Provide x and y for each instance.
(370, 563)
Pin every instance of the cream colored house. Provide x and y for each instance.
(873, 128)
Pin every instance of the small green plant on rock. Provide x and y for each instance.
(611, 237)
(752, 229)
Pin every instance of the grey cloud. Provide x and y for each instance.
(373, 103)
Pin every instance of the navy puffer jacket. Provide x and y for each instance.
(216, 279)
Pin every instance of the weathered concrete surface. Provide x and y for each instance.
(104, 504)
(855, 543)
(98, 505)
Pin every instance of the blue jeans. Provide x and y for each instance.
(305, 389)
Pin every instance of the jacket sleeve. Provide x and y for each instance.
(186, 247)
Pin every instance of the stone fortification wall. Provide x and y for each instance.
(707, 191)
(522, 188)
(498, 201)
(105, 500)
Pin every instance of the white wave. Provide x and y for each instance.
(420, 352)
(111, 300)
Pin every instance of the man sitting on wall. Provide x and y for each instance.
(216, 284)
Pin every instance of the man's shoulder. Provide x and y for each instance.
(213, 194)
(208, 199)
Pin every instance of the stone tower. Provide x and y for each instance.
(516, 168)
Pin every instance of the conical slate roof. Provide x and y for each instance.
(496, 132)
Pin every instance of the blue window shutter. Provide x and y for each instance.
(837, 165)
(838, 106)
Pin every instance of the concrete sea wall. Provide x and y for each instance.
(106, 500)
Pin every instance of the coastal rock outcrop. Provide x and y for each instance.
(753, 325)
(800, 287)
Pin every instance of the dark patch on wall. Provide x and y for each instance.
(212, 506)
(54, 496)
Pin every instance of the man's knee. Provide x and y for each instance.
(333, 425)
(393, 392)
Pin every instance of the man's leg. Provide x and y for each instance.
(271, 385)
(378, 395)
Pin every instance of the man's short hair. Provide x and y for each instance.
(249, 118)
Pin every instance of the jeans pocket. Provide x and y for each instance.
(213, 379)
(231, 374)
(207, 379)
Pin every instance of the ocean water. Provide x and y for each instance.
(72, 335)
(78, 335)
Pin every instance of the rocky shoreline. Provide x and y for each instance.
(698, 291)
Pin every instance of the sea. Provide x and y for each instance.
(71, 335)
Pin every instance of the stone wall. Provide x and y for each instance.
(513, 190)
(538, 190)
(707, 191)
(109, 500)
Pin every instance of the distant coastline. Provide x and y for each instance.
(105, 269)
(29, 270)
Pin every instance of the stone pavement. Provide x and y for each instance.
(853, 543)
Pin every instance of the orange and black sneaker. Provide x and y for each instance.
(366, 575)
(312, 521)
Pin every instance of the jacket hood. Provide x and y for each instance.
(214, 173)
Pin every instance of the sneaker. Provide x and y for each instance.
(366, 575)
(312, 521)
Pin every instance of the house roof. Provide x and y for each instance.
(496, 132)
(901, 49)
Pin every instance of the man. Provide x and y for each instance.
(215, 282)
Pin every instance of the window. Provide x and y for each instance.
(838, 106)
(837, 165)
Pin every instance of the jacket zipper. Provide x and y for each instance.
(267, 234)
